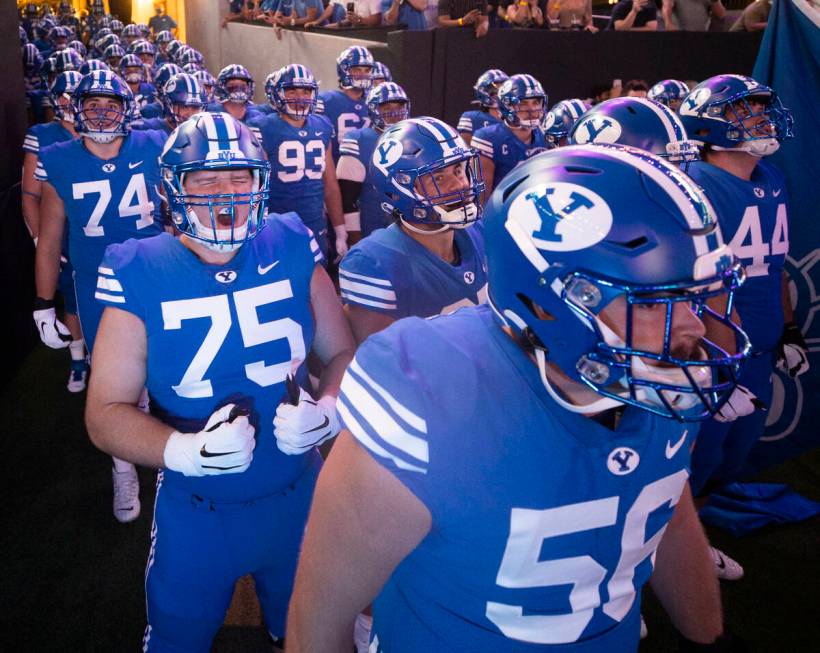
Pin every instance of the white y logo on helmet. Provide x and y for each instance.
(597, 129)
(549, 121)
(387, 153)
(694, 101)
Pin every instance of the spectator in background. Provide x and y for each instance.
(571, 14)
(407, 12)
(691, 15)
(292, 13)
(636, 88)
(161, 21)
(366, 13)
(464, 13)
(634, 16)
(333, 13)
(238, 10)
(754, 18)
(525, 13)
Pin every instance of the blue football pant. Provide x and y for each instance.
(199, 550)
(722, 448)
(90, 312)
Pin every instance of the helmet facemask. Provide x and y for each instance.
(101, 124)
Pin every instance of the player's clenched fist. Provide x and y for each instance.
(224, 446)
(302, 423)
(52, 332)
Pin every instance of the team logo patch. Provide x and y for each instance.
(225, 276)
(303, 133)
(549, 121)
(657, 89)
(469, 277)
(694, 101)
(388, 152)
(109, 167)
(560, 217)
(622, 461)
(597, 129)
(759, 192)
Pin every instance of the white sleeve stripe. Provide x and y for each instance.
(104, 270)
(413, 420)
(109, 298)
(366, 290)
(352, 424)
(353, 299)
(361, 277)
(109, 284)
(481, 141)
(381, 422)
(318, 258)
(465, 125)
(314, 246)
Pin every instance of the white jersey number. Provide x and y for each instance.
(749, 246)
(347, 121)
(134, 201)
(194, 385)
(303, 159)
(521, 566)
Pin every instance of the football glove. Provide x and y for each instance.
(224, 446)
(792, 352)
(302, 423)
(52, 332)
(741, 402)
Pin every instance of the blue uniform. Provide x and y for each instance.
(152, 109)
(221, 334)
(753, 217)
(497, 142)
(38, 137)
(360, 144)
(251, 114)
(157, 124)
(544, 522)
(389, 272)
(297, 156)
(146, 94)
(344, 113)
(471, 121)
(105, 202)
(264, 108)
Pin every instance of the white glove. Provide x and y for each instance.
(299, 428)
(792, 351)
(741, 402)
(341, 241)
(224, 446)
(52, 332)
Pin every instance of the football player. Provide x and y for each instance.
(218, 323)
(133, 71)
(156, 108)
(387, 104)
(112, 55)
(38, 137)
(182, 98)
(162, 40)
(234, 93)
(522, 103)
(431, 260)
(560, 119)
(103, 186)
(208, 83)
(535, 526)
(297, 142)
(345, 107)
(381, 73)
(486, 97)
(740, 122)
(669, 92)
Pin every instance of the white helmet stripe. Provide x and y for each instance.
(671, 123)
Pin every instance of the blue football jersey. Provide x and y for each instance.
(753, 217)
(544, 522)
(221, 334)
(264, 108)
(297, 157)
(105, 201)
(251, 114)
(391, 273)
(45, 134)
(151, 109)
(360, 144)
(157, 124)
(344, 114)
(471, 121)
(497, 142)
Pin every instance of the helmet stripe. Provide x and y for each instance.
(674, 130)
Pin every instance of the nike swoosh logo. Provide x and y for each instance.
(721, 562)
(267, 268)
(131, 166)
(672, 449)
(321, 426)
(318, 133)
(207, 454)
(777, 192)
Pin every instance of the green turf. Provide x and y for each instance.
(73, 576)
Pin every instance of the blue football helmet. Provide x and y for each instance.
(382, 94)
(718, 112)
(215, 141)
(104, 125)
(560, 118)
(117, 26)
(512, 92)
(636, 122)
(486, 87)
(163, 37)
(59, 37)
(32, 60)
(404, 165)
(182, 90)
(165, 72)
(574, 229)
(113, 54)
(207, 81)
(90, 65)
(292, 76)
(352, 57)
(669, 92)
(79, 48)
(144, 49)
(64, 86)
(66, 59)
(173, 48)
(131, 32)
(231, 72)
(106, 40)
(136, 74)
(188, 55)
(381, 73)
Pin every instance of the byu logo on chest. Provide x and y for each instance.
(225, 276)
(622, 461)
(469, 276)
(597, 129)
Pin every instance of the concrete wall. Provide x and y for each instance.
(257, 48)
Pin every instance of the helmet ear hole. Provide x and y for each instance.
(533, 307)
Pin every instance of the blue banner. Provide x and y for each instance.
(789, 62)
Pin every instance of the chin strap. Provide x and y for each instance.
(598, 406)
(424, 232)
